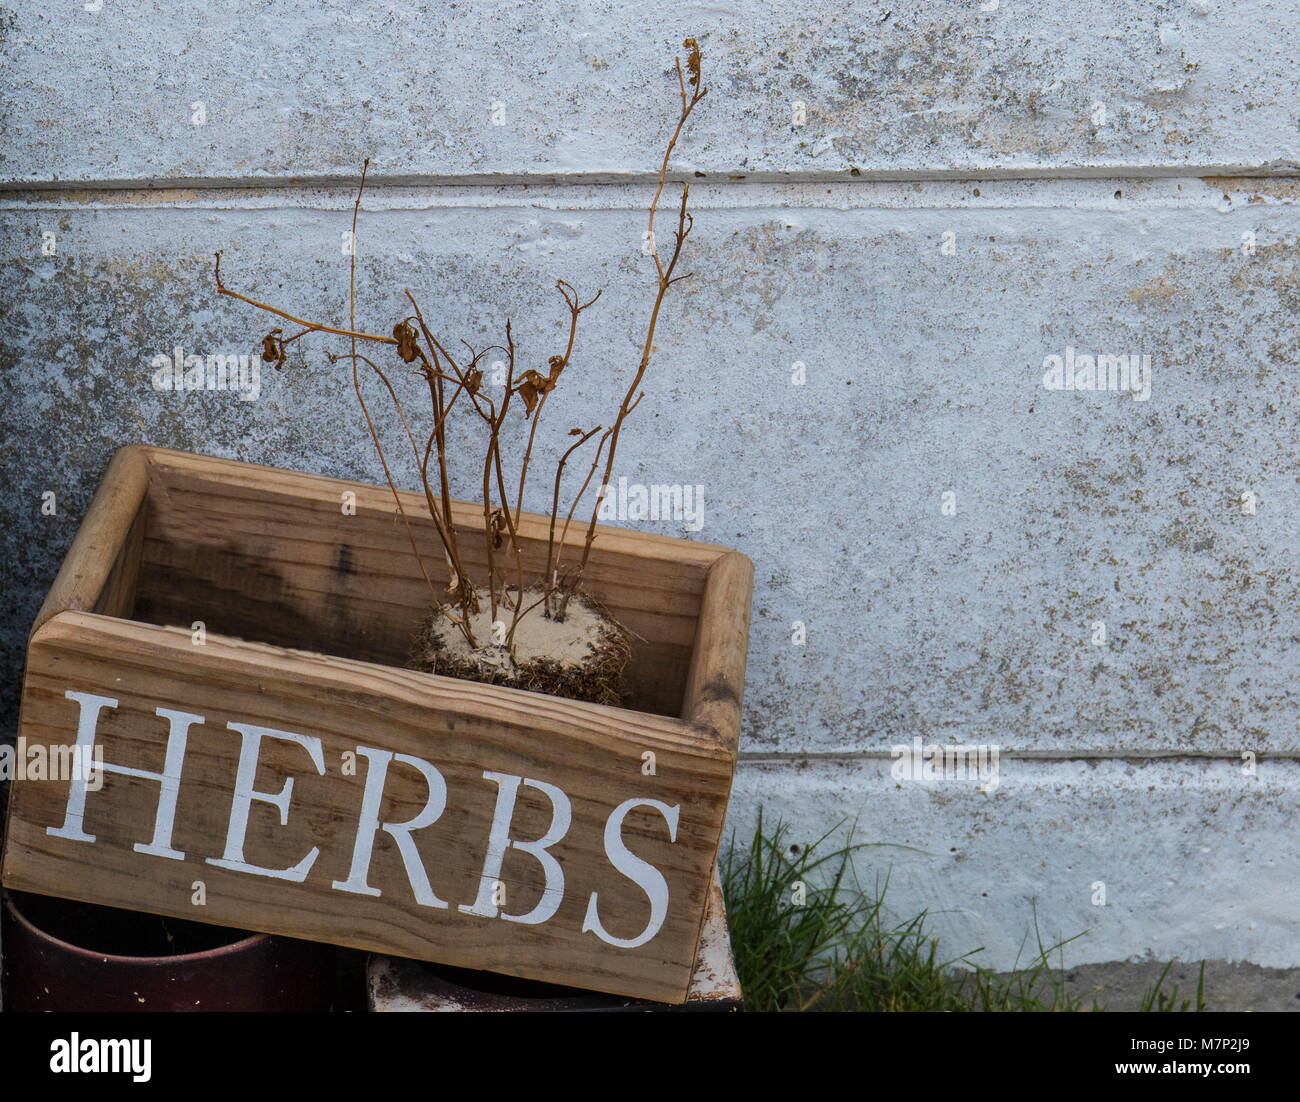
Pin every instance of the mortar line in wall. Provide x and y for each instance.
(773, 209)
(974, 174)
(1210, 194)
(755, 757)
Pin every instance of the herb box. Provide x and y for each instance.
(231, 639)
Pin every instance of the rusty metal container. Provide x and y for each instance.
(61, 955)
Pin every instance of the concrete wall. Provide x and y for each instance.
(970, 192)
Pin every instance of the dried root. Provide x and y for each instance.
(583, 658)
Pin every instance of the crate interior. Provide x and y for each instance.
(290, 568)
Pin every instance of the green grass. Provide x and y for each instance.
(808, 937)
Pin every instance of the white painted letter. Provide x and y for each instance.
(368, 825)
(499, 841)
(170, 778)
(245, 794)
(648, 878)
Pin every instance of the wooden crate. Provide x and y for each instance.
(306, 616)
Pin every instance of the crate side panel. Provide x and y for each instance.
(279, 561)
(462, 730)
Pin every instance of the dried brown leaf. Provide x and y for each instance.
(273, 349)
(531, 387)
(692, 62)
(404, 334)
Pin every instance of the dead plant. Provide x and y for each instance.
(457, 379)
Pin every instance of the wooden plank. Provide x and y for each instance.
(717, 680)
(266, 554)
(461, 729)
(118, 595)
(715, 687)
(95, 552)
(170, 469)
(367, 617)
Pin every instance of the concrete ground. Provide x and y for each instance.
(1229, 986)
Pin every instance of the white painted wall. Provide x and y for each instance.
(821, 243)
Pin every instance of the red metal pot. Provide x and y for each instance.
(66, 956)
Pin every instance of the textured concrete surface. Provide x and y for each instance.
(904, 87)
(1133, 860)
(924, 378)
(922, 310)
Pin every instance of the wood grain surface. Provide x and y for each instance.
(269, 546)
